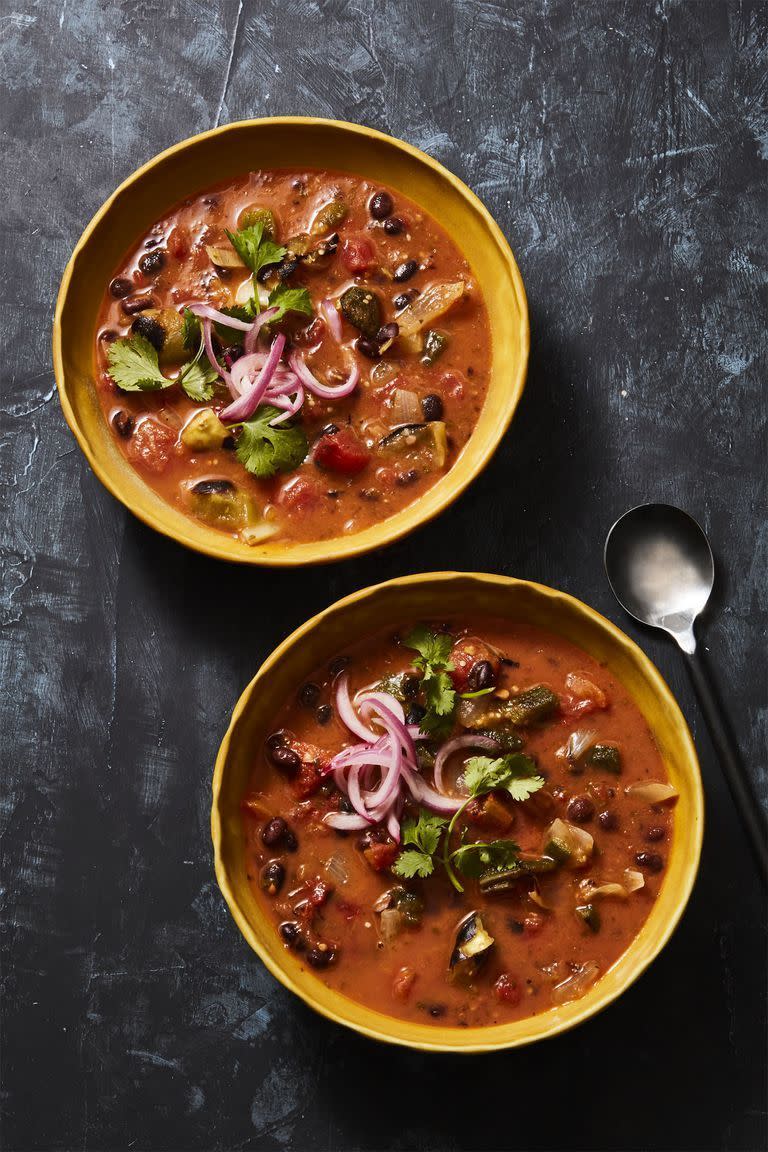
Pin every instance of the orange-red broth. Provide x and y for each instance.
(307, 503)
(536, 949)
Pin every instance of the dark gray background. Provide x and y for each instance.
(622, 147)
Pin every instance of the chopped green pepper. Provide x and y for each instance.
(251, 216)
(329, 216)
(435, 343)
(402, 686)
(533, 705)
(503, 879)
(558, 850)
(505, 736)
(605, 756)
(589, 915)
(362, 309)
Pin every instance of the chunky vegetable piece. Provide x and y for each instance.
(429, 832)
(307, 296)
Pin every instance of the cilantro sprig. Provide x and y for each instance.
(256, 251)
(134, 367)
(264, 450)
(434, 651)
(424, 834)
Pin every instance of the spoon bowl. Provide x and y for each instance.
(660, 567)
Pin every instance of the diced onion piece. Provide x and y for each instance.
(392, 924)
(345, 821)
(258, 533)
(633, 880)
(589, 890)
(577, 744)
(585, 689)
(224, 257)
(576, 984)
(406, 408)
(652, 792)
(577, 841)
(428, 306)
(337, 869)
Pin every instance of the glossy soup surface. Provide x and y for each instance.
(543, 951)
(351, 477)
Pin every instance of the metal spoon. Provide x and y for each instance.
(660, 567)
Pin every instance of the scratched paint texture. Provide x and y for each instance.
(622, 147)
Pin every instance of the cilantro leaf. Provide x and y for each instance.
(197, 378)
(254, 251)
(412, 863)
(473, 860)
(424, 834)
(289, 300)
(191, 331)
(264, 450)
(515, 773)
(133, 365)
(434, 648)
(237, 312)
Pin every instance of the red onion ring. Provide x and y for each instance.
(245, 406)
(345, 821)
(324, 391)
(208, 345)
(207, 312)
(347, 714)
(485, 742)
(332, 319)
(252, 336)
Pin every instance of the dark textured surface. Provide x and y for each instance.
(622, 147)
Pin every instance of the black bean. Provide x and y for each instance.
(608, 820)
(368, 348)
(273, 831)
(323, 713)
(272, 877)
(152, 262)
(415, 714)
(276, 739)
(338, 665)
(149, 328)
(123, 423)
(432, 407)
(650, 860)
(480, 676)
(581, 809)
(404, 299)
(403, 479)
(213, 487)
(380, 205)
(290, 931)
(345, 805)
(310, 694)
(320, 956)
(405, 270)
(108, 335)
(285, 760)
(133, 304)
(120, 287)
(654, 834)
(287, 268)
(393, 226)
(387, 333)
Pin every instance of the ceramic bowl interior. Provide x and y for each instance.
(226, 153)
(452, 595)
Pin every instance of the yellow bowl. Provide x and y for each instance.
(223, 154)
(391, 605)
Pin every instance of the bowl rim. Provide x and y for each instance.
(322, 554)
(662, 692)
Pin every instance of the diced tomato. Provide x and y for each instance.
(403, 982)
(319, 893)
(358, 254)
(381, 856)
(341, 452)
(533, 924)
(451, 384)
(299, 495)
(586, 693)
(178, 243)
(307, 780)
(151, 445)
(348, 910)
(507, 990)
(465, 654)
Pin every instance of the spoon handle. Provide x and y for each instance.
(742, 790)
